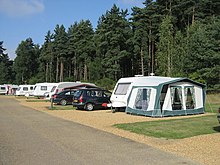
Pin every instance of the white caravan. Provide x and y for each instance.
(68, 85)
(25, 90)
(123, 88)
(42, 88)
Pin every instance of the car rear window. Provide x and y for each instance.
(77, 93)
(122, 88)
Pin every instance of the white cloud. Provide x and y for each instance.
(15, 8)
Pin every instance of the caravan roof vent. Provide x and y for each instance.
(152, 74)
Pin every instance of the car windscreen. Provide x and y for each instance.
(122, 88)
(54, 87)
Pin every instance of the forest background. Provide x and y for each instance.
(172, 38)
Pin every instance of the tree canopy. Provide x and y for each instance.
(166, 37)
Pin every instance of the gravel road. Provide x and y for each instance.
(203, 149)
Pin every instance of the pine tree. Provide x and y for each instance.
(165, 48)
(60, 50)
(26, 61)
(114, 42)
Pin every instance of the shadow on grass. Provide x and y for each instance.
(217, 128)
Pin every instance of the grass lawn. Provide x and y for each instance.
(212, 103)
(180, 128)
(60, 107)
(175, 128)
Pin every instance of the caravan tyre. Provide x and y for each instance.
(63, 102)
(89, 106)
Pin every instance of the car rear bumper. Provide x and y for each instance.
(79, 105)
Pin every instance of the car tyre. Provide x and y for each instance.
(89, 106)
(63, 102)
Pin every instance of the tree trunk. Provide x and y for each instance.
(47, 70)
(142, 61)
(22, 77)
(61, 71)
(75, 69)
(85, 72)
(168, 60)
(152, 58)
(51, 64)
(149, 51)
(115, 72)
(193, 15)
(57, 70)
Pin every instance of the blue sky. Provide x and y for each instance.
(21, 19)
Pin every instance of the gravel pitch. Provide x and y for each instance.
(203, 149)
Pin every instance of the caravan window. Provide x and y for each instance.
(122, 88)
(43, 88)
(142, 99)
(25, 88)
(190, 97)
(31, 88)
(3, 88)
(176, 97)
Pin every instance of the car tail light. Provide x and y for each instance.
(104, 105)
(56, 91)
(80, 99)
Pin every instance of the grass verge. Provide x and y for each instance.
(60, 107)
(37, 100)
(175, 128)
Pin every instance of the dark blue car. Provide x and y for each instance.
(90, 99)
(63, 98)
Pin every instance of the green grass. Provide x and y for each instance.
(37, 100)
(212, 108)
(212, 103)
(175, 128)
(60, 107)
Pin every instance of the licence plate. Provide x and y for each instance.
(75, 101)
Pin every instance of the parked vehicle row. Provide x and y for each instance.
(83, 98)
(42, 90)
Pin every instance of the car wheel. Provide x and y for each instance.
(89, 107)
(63, 102)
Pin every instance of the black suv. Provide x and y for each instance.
(89, 99)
